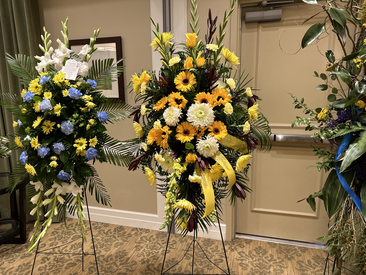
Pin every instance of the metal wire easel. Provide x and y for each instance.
(330, 266)
(82, 245)
(193, 244)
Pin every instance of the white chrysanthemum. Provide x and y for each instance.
(212, 47)
(207, 147)
(200, 115)
(171, 116)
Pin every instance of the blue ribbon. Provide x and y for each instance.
(342, 147)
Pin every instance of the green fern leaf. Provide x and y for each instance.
(104, 72)
(23, 67)
(116, 109)
(11, 103)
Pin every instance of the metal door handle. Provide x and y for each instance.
(292, 138)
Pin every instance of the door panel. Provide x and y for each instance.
(280, 178)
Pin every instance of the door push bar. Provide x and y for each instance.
(292, 138)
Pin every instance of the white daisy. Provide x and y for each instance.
(207, 147)
(200, 115)
(171, 116)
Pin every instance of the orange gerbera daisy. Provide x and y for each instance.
(160, 104)
(185, 132)
(154, 135)
(204, 98)
(177, 100)
(218, 130)
(221, 97)
(185, 81)
(164, 135)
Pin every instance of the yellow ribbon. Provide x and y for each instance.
(208, 191)
(234, 143)
(220, 159)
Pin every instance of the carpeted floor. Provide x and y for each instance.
(127, 250)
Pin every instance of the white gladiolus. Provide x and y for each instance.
(83, 69)
(35, 198)
(47, 201)
(34, 210)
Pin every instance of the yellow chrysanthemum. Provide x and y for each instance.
(191, 40)
(150, 176)
(221, 97)
(162, 141)
(15, 124)
(252, 112)
(188, 64)
(57, 109)
(242, 163)
(84, 110)
(59, 79)
(87, 127)
(182, 223)
(54, 158)
(174, 61)
(231, 57)
(65, 93)
(204, 98)
(91, 121)
(30, 169)
(90, 105)
(93, 142)
(23, 93)
(35, 87)
(200, 61)
(53, 164)
(18, 142)
(184, 204)
(177, 100)
(184, 81)
(218, 130)
(37, 122)
(87, 97)
(322, 114)
(185, 132)
(80, 152)
(37, 107)
(165, 38)
(216, 172)
(34, 143)
(160, 104)
(47, 95)
(48, 126)
(360, 104)
(138, 129)
(80, 144)
(191, 158)
(246, 128)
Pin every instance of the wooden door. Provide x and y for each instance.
(281, 177)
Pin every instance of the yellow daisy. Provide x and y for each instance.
(162, 141)
(35, 87)
(177, 100)
(65, 93)
(93, 142)
(160, 104)
(221, 97)
(204, 98)
(90, 105)
(37, 122)
(48, 126)
(184, 81)
(80, 152)
(57, 109)
(53, 164)
(34, 143)
(231, 57)
(30, 169)
(59, 79)
(18, 142)
(185, 132)
(218, 130)
(200, 132)
(47, 95)
(80, 144)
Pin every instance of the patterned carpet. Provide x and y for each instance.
(126, 250)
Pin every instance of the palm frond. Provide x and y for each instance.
(11, 102)
(104, 72)
(262, 131)
(23, 67)
(116, 109)
(17, 175)
(96, 185)
(242, 81)
(117, 152)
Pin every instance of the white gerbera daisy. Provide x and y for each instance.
(171, 116)
(207, 147)
(200, 115)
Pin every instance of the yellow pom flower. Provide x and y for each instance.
(53, 164)
(47, 95)
(37, 107)
(90, 105)
(37, 122)
(93, 142)
(322, 114)
(228, 108)
(191, 40)
(18, 142)
(15, 124)
(174, 61)
(360, 104)
(252, 112)
(200, 61)
(35, 87)
(191, 158)
(246, 128)
(150, 176)
(30, 169)
(138, 129)
(242, 163)
(184, 204)
(65, 93)
(188, 64)
(34, 143)
(48, 126)
(231, 57)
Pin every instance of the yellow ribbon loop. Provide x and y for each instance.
(234, 143)
(220, 159)
(208, 191)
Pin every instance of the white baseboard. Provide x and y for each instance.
(140, 220)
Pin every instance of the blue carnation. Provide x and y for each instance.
(28, 96)
(19, 123)
(74, 93)
(92, 83)
(102, 116)
(43, 151)
(23, 157)
(90, 153)
(62, 175)
(58, 148)
(45, 105)
(44, 79)
(67, 127)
